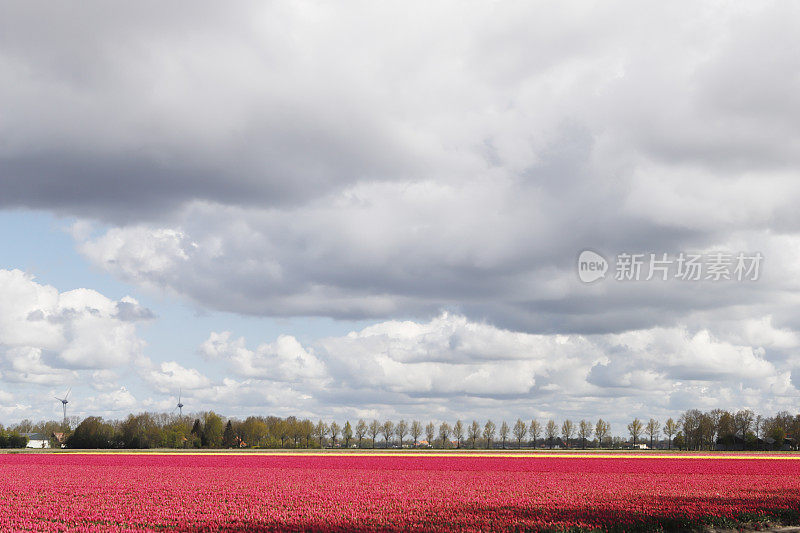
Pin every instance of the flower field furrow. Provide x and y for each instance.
(76, 492)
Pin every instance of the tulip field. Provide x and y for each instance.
(323, 492)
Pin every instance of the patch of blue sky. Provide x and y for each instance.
(41, 244)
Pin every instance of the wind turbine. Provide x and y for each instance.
(64, 401)
(180, 405)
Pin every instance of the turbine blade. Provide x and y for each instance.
(67, 394)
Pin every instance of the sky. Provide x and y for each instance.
(388, 210)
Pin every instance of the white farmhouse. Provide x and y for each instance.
(37, 440)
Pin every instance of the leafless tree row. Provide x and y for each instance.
(693, 430)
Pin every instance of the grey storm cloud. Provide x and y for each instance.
(123, 113)
(374, 161)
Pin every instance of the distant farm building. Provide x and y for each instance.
(60, 438)
(37, 440)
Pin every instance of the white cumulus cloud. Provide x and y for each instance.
(451, 365)
(44, 332)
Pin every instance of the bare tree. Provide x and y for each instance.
(653, 428)
(504, 429)
(670, 429)
(726, 427)
(520, 429)
(690, 422)
(387, 429)
(401, 430)
(635, 429)
(335, 429)
(361, 431)
(567, 431)
(601, 430)
(783, 420)
(374, 429)
(26, 426)
(347, 434)
(715, 416)
(488, 432)
(707, 430)
(584, 432)
(321, 432)
(458, 432)
(297, 433)
(430, 432)
(534, 431)
(444, 433)
(473, 432)
(794, 431)
(309, 430)
(765, 425)
(744, 422)
(416, 430)
(551, 430)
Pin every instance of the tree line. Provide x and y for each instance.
(693, 430)
(12, 439)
